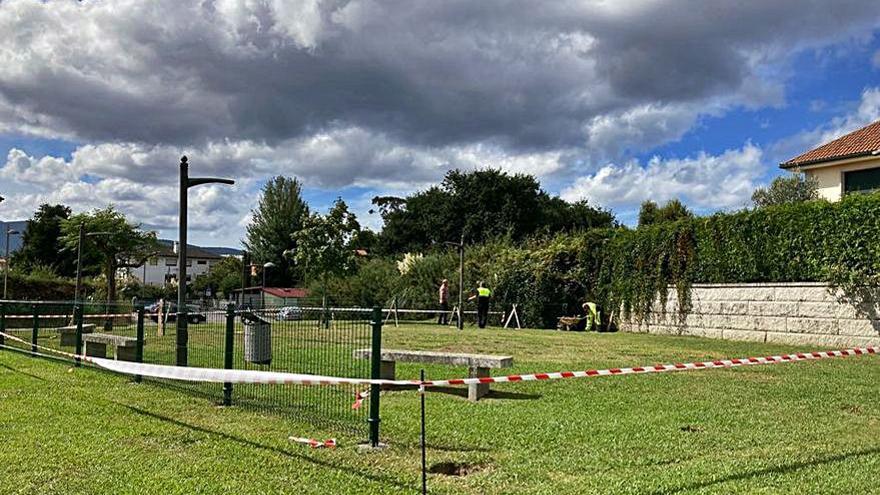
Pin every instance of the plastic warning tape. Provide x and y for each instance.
(279, 378)
(660, 368)
(315, 444)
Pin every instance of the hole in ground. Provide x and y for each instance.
(455, 468)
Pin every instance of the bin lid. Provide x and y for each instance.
(250, 318)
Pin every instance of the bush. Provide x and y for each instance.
(626, 270)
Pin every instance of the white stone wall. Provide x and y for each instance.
(797, 313)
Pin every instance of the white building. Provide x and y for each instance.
(163, 268)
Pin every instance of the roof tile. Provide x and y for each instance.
(862, 142)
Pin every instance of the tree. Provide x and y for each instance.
(481, 205)
(279, 215)
(41, 244)
(324, 246)
(224, 277)
(125, 245)
(650, 213)
(792, 189)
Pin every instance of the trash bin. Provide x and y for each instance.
(257, 339)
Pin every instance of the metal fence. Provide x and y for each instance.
(304, 339)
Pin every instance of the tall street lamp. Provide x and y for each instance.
(185, 183)
(9, 232)
(266, 267)
(79, 246)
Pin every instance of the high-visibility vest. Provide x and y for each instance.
(484, 292)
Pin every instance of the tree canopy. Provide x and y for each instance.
(481, 205)
(278, 216)
(795, 188)
(41, 244)
(650, 213)
(325, 244)
(116, 243)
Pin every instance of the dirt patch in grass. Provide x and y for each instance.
(455, 468)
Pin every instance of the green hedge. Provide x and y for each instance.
(626, 270)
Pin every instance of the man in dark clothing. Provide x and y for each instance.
(444, 303)
(482, 296)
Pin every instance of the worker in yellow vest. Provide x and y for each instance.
(592, 316)
(482, 296)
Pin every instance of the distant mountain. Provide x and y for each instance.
(216, 250)
(223, 251)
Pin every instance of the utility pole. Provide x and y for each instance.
(182, 318)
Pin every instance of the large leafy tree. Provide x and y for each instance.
(480, 205)
(783, 190)
(278, 216)
(41, 244)
(224, 277)
(325, 245)
(121, 245)
(650, 213)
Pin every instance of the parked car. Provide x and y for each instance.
(289, 313)
(194, 315)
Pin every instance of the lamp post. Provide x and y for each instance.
(266, 267)
(185, 183)
(6, 260)
(79, 245)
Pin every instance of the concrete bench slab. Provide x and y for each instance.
(68, 334)
(478, 365)
(124, 348)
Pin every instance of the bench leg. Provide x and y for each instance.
(388, 370)
(126, 353)
(477, 390)
(96, 349)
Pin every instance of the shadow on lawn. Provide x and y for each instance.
(783, 469)
(25, 373)
(463, 392)
(269, 448)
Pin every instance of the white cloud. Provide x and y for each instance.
(704, 181)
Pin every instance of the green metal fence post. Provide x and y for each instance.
(228, 351)
(35, 330)
(2, 322)
(139, 345)
(78, 320)
(375, 372)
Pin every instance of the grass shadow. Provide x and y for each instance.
(783, 469)
(267, 448)
(25, 373)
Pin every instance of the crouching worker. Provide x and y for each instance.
(591, 316)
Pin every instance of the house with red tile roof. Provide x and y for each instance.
(270, 297)
(848, 164)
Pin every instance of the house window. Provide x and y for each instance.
(170, 262)
(861, 181)
(202, 262)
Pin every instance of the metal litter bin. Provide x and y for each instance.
(257, 339)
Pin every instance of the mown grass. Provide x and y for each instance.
(805, 427)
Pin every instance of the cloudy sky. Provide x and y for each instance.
(613, 101)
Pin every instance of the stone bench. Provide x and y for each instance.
(68, 334)
(478, 365)
(124, 348)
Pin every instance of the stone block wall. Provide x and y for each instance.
(793, 313)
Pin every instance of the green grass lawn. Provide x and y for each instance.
(807, 427)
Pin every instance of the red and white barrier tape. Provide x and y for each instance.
(315, 444)
(274, 377)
